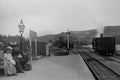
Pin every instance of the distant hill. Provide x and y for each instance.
(112, 31)
(85, 35)
(79, 35)
(46, 38)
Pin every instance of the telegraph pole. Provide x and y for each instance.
(68, 40)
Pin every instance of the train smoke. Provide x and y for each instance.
(100, 30)
(100, 26)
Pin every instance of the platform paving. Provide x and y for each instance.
(69, 67)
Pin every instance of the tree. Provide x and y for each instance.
(61, 42)
(7, 39)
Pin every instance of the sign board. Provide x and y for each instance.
(33, 43)
(33, 35)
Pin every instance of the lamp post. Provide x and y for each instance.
(21, 28)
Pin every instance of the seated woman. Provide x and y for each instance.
(17, 57)
(27, 55)
(27, 60)
(10, 63)
(1, 51)
(2, 62)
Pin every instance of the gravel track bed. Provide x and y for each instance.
(106, 74)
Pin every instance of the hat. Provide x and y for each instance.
(1, 44)
(9, 48)
(13, 44)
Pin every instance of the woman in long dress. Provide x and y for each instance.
(10, 63)
(1, 51)
(2, 56)
(17, 56)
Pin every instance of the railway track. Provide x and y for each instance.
(100, 71)
(115, 57)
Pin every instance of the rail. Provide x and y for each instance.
(96, 64)
(92, 71)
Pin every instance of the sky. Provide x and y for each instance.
(55, 16)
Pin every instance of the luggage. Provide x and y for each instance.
(27, 67)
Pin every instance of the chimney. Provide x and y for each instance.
(101, 35)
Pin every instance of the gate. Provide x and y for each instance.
(41, 48)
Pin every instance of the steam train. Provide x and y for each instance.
(104, 45)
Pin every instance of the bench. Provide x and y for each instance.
(3, 65)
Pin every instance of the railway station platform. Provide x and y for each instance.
(71, 67)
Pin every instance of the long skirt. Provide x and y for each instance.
(18, 64)
(10, 68)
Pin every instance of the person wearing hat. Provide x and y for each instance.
(1, 51)
(1, 54)
(17, 57)
(8, 55)
(11, 70)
